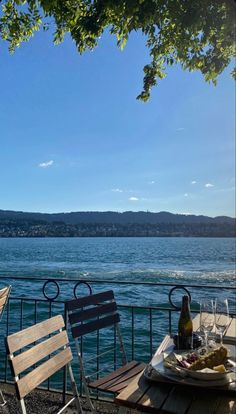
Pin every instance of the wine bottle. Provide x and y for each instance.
(185, 326)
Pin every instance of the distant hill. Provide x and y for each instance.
(113, 224)
(111, 217)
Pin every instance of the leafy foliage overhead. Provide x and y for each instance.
(197, 34)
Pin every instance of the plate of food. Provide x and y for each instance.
(210, 366)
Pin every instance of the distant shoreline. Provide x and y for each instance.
(25, 229)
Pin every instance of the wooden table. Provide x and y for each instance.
(171, 398)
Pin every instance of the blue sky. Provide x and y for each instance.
(74, 138)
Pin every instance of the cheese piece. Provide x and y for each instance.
(220, 368)
(213, 359)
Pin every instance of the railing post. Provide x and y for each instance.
(132, 331)
(170, 322)
(150, 317)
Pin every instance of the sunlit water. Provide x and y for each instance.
(165, 260)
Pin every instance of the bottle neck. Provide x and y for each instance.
(185, 304)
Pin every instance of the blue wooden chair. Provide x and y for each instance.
(92, 314)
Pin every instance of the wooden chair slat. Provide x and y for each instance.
(89, 300)
(30, 357)
(120, 383)
(81, 330)
(92, 312)
(4, 291)
(30, 381)
(32, 334)
(101, 381)
(3, 301)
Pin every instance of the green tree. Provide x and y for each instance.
(197, 34)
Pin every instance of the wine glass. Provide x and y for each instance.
(221, 316)
(207, 317)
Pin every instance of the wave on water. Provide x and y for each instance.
(161, 276)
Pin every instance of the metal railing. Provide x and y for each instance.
(143, 324)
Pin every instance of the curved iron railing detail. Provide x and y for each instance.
(178, 287)
(51, 298)
(80, 283)
(58, 290)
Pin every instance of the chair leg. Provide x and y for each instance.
(75, 391)
(2, 399)
(84, 382)
(22, 404)
(91, 406)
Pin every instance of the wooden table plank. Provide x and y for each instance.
(196, 323)
(231, 331)
(155, 398)
(204, 403)
(178, 401)
(227, 405)
(144, 395)
(134, 392)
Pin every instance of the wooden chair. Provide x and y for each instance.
(90, 314)
(52, 344)
(4, 295)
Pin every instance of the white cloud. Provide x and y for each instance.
(208, 185)
(180, 129)
(193, 182)
(133, 199)
(186, 195)
(117, 190)
(151, 182)
(46, 164)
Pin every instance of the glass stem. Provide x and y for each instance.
(221, 338)
(206, 338)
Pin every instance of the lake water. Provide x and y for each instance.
(159, 260)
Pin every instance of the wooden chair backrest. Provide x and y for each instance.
(91, 313)
(27, 358)
(4, 294)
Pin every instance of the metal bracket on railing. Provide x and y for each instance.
(180, 288)
(81, 282)
(51, 298)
